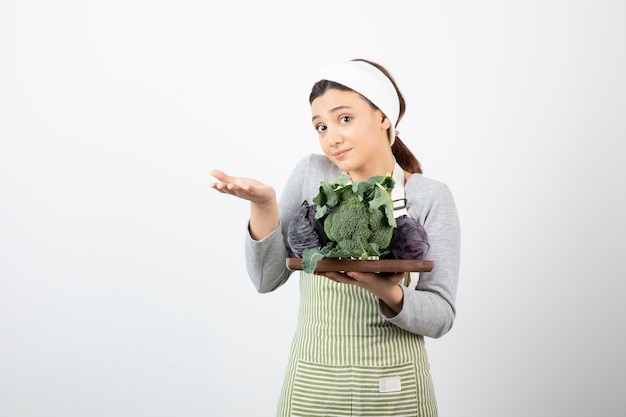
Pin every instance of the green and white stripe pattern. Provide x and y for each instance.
(347, 360)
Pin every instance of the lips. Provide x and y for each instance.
(340, 154)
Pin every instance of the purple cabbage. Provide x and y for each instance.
(305, 231)
(409, 239)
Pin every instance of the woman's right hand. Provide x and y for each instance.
(244, 188)
(263, 204)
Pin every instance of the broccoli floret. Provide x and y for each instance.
(381, 230)
(357, 230)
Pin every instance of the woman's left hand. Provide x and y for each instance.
(384, 285)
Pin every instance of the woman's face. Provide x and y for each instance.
(352, 134)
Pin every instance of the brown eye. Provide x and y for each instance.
(320, 128)
(345, 119)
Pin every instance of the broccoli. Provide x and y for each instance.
(358, 231)
(360, 223)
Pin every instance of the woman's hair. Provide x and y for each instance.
(401, 152)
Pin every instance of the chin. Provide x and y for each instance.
(343, 165)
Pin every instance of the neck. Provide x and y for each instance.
(381, 166)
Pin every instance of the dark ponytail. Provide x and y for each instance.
(405, 157)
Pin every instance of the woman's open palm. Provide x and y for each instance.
(245, 188)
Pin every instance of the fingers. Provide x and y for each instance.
(334, 276)
(221, 175)
(225, 183)
(245, 188)
(233, 188)
(243, 183)
(366, 279)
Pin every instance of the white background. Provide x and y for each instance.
(123, 291)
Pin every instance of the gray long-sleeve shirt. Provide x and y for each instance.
(429, 308)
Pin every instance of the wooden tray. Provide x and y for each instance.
(358, 265)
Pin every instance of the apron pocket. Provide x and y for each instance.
(337, 390)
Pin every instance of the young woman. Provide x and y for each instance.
(359, 344)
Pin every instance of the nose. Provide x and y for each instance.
(333, 137)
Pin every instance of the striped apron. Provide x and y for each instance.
(347, 360)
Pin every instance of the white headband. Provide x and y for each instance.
(371, 83)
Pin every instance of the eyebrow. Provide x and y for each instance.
(334, 109)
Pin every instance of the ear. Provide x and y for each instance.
(385, 123)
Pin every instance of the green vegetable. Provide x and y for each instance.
(361, 221)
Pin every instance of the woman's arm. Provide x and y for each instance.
(262, 198)
(265, 258)
(264, 243)
(429, 309)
